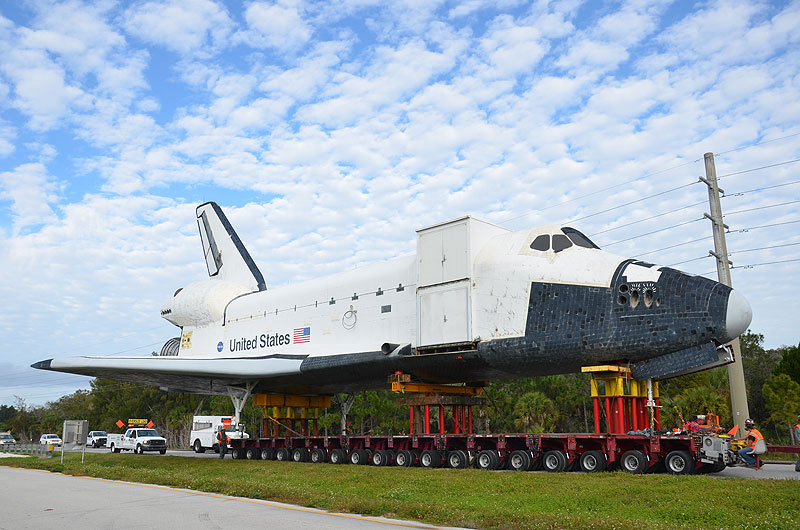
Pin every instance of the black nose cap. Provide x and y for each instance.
(42, 365)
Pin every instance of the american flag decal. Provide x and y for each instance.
(302, 335)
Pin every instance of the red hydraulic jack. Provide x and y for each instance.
(623, 400)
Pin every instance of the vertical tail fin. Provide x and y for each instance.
(225, 255)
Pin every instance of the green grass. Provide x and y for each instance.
(466, 497)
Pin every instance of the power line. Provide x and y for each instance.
(762, 226)
(648, 175)
(763, 248)
(655, 231)
(736, 252)
(738, 193)
(757, 144)
(648, 218)
(673, 246)
(632, 202)
(753, 265)
(759, 168)
(761, 208)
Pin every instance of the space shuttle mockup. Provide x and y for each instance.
(477, 302)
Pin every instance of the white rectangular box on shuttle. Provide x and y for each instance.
(446, 254)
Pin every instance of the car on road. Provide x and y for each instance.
(97, 438)
(50, 439)
(7, 439)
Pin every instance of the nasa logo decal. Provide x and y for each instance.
(219, 346)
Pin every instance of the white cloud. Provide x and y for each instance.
(185, 27)
(31, 192)
(275, 25)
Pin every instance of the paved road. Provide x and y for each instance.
(784, 471)
(40, 499)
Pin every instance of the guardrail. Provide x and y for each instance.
(40, 450)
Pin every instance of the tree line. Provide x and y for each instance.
(559, 403)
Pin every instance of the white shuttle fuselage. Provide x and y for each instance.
(476, 302)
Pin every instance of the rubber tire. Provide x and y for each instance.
(380, 458)
(592, 461)
(554, 461)
(338, 457)
(252, 453)
(634, 461)
(520, 461)
(163, 451)
(139, 450)
(679, 462)
(268, 453)
(237, 453)
(318, 456)
(300, 454)
(198, 447)
(430, 458)
(404, 458)
(114, 449)
(488, 460)
(359, 457)
(457, 459)
(282, 454)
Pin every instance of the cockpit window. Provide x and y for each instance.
(560, 242)
(541, 242)
(578, 238)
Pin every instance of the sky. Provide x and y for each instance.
(330, 131)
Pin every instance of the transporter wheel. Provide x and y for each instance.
(198, 447)
(163, 451)
(592, 461)
(252, 453)
(139, 450)
(380, 458)
(554, 461)
(318, 456)
(404, 458)
(268, 453)
(520, 461)
(338, 457)
(359, 457)
(237, 453)
(634, 461)
(487, 460)
(282, 454)
(300, 455)
(457, 459)
(430, 458)
(679, 463)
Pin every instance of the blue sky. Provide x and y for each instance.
(330, 131)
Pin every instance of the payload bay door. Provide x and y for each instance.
(444, 286)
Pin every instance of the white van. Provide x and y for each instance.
(204, 432)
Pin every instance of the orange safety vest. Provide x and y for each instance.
(797, 433)
(756, 437)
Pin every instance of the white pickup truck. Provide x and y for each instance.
(137, 440)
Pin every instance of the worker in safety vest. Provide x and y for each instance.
(222, 440)
(753, 436)
(797, 431)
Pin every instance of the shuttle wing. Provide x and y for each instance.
(206, 376)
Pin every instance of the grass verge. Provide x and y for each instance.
(465, 497)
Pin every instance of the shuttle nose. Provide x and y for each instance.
(739, 315)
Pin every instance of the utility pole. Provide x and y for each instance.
(739, 408)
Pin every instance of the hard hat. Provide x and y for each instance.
(749, 423)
